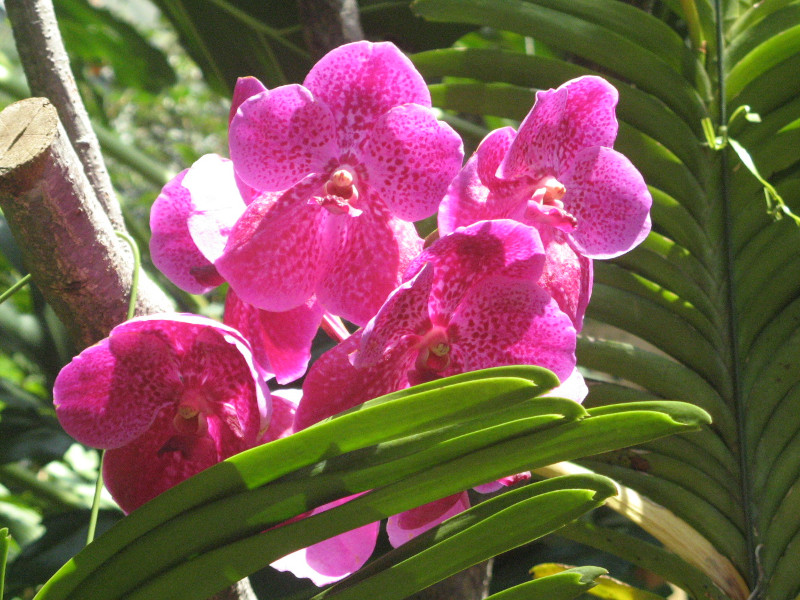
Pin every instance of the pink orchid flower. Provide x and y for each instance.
(477, 194)
(470, 302)
(167, 396)
(360, 155)
(576, 182)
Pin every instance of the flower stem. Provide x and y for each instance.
(137, 263)
(13, 290)
(98, 488)
(5, 542)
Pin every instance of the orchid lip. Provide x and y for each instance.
(434, 350)
(340, 194)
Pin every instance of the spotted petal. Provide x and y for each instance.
(507, 321)
(366, 263)
(567, 275)
(477, 194)
(361, 81)
(274, 255)
(411, 158)
(172, 248)
(279, 137)
(281, 341)
(111, 392)
(609, 198)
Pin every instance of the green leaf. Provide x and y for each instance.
(565, 585)
(477, 534)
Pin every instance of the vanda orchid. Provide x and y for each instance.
(313, 217)
(360, 155)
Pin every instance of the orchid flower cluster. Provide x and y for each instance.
(312, 221)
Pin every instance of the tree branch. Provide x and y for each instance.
(67, 241)
(329, 23)
(44, 59)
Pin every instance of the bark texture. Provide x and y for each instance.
(67, 241)
(329, 23)
(47, 70)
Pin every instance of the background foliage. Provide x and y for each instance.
(707, 310)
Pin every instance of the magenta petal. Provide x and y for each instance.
(533, 150)
(172, 248)
(471, 253)
(476, 194)
(281, 341)
(245, 88)
(505, 321)
(411, 158)
(403, 316)
(609, 198)
(284, 407)
(567, 275)
(111, 392)
(589, 118)
(366, 263)
(333, 384)
(279, 137)
(360, 82)
(335, 558)
(409, 524)
(274, 254)
(156, 461)
(216, 204)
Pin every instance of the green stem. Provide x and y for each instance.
(5, 542)
(14, 288)
(137, 263)
(98, 489)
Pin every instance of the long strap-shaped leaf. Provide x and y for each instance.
(160, 550)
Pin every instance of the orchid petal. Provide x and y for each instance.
(361, 81)
(476, 194)
(470, 253)
(366, 263)
(246, 87)
(404, 315)
(567, 275)
(573, 387)
(533, 150)
(284, 407)
(281, 341)
(411, 523)
(411, 158)
(172, 248)
(274, 255)
(335, 558)
(333, 384)
(216, 204)
(111, 392)
(609, 198)
(279, 137)
(507, 321)
(156, 461)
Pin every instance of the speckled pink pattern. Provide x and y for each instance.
(610, 199)
(274, 263)
(567, 275)
(366, 260)
(124, 393)
(172, 248)
(409, 158)
(280, 136)
(568, 136)
(281, 341)
(468, 254)
(360, 82)
(363, 111)
(245, 88)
